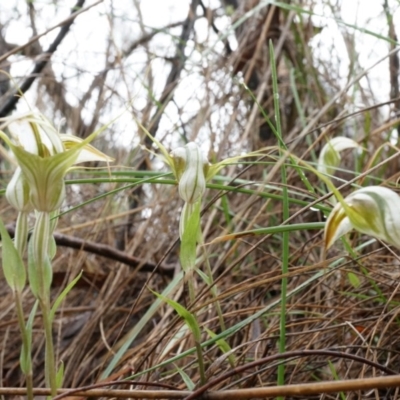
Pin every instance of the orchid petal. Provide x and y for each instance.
(87, 153)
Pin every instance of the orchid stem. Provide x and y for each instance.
(21, 235)
(50, 369)
(25, 344)
(42, 273)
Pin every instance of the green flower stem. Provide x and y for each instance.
(50, 368)
(20, 239)
(190, 232)
(213, 288)
(21, 233)
(197, 340)
(199, 351)
(285, 212)
(40, 280)
(189, 279)
(26, 345)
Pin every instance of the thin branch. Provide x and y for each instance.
(17, 49)
(176, 70)
(105, 251)
(40, 65)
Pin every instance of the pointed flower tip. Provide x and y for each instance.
(336, 226)
(87, 153)
(373, 211)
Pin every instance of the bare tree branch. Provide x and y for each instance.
(176, 70)
(11, 103)
(104, 251)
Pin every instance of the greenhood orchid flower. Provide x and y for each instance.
(44, 156)
(329, 157)
(371, 210)
(191, 168)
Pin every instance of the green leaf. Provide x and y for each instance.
(60, 375)
(13, 266)
(188, 382)
(335, 377)
(189, 237)
(204, 276)
(25, 356)
(61, 297)
(353, 279)
(189, 318)
(52, 247)
(223, 346)
(34, 278)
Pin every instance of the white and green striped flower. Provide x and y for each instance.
(191, 168)
(374, 211)
(44, 156)
(329, 158)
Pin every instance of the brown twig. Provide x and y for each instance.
(104, 251)
(303, 389)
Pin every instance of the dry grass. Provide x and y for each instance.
(348, 302)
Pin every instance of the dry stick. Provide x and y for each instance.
(339, 119)
(288, 355)
(303, 389)
(208, 14)
(261, 41)
(40, 65)
(105, 251)
(110, 383)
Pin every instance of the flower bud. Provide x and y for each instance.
(191, 168)
(17, 192)
(329, 157)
